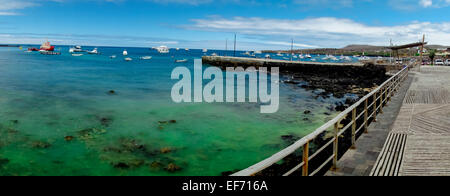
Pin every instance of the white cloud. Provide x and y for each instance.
(325, 31)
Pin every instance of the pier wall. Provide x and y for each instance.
(329, 70)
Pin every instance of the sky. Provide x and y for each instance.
(263, 24)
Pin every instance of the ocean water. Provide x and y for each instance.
(57, 117)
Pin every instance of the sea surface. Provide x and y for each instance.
(57, 117)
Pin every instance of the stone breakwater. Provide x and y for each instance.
(335, 78)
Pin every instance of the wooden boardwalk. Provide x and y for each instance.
(419, 143)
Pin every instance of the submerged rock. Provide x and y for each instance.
(90, 133)
(69, 138)
(171, 167)
(3, 161)
(155, 165)
(173, 121)
(15, 121)
(106, 121)
(112, 92)
(307, 112)
(41, 144)
(166, 150)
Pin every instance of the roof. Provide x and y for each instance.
(407, 46)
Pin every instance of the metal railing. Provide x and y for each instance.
(380, 97)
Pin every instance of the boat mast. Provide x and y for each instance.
(292, 48)
(234, 54)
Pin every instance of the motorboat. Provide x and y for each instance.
(146, 58)
(268, 56)
(44, 47)
(213, 54)
(125, 53)
(128, 59)
(113, 56)
(181, 61)
(95, 51)
(163, 49)
(205, 50)
(308, 56)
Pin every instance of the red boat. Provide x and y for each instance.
(44, 47)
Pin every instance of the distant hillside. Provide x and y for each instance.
(436, 46)
(363, 47)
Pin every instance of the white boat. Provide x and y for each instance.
(128, 59)
(163, 49)
(181, 61)
(113, 56)
(205, 50)
(258, 52)
(268, 56)
(308, 56)
(77, 54)
(125, 53)
(146, 58)
(279, 54)
(75, 49)
(95, 51)
(364, 58)
(213, 54)
(187, 49)
(178, 49)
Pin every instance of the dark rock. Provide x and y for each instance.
(307, 112)
(173, 121)
(68, 138)
(155, 165)
(40, 144)
(3, 161)
(121, 165)
(112, 92)
(15, 121)
(171, 167)
(106, 121)
(326, 113)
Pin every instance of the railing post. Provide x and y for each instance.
(381, 100)
(386, 94)
(335, 146)
(305, 159)
(366, 116)
(375, 107)
(354, 128)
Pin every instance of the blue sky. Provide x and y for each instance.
(263, 24)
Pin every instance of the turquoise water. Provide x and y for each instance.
(57, 118)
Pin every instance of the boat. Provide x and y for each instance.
(77, 54)
(308, 56)
(44, 47)
(258, 52)
(163, 49)
(213, 54)
(181, 61)
(75, 49)
(279, 54)
(128, 59)
(177, 49)
(113, 56)
(125, 53)
(95, 51)
(187, 49)
(267, 56)
(146, 58)
(205, 50)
